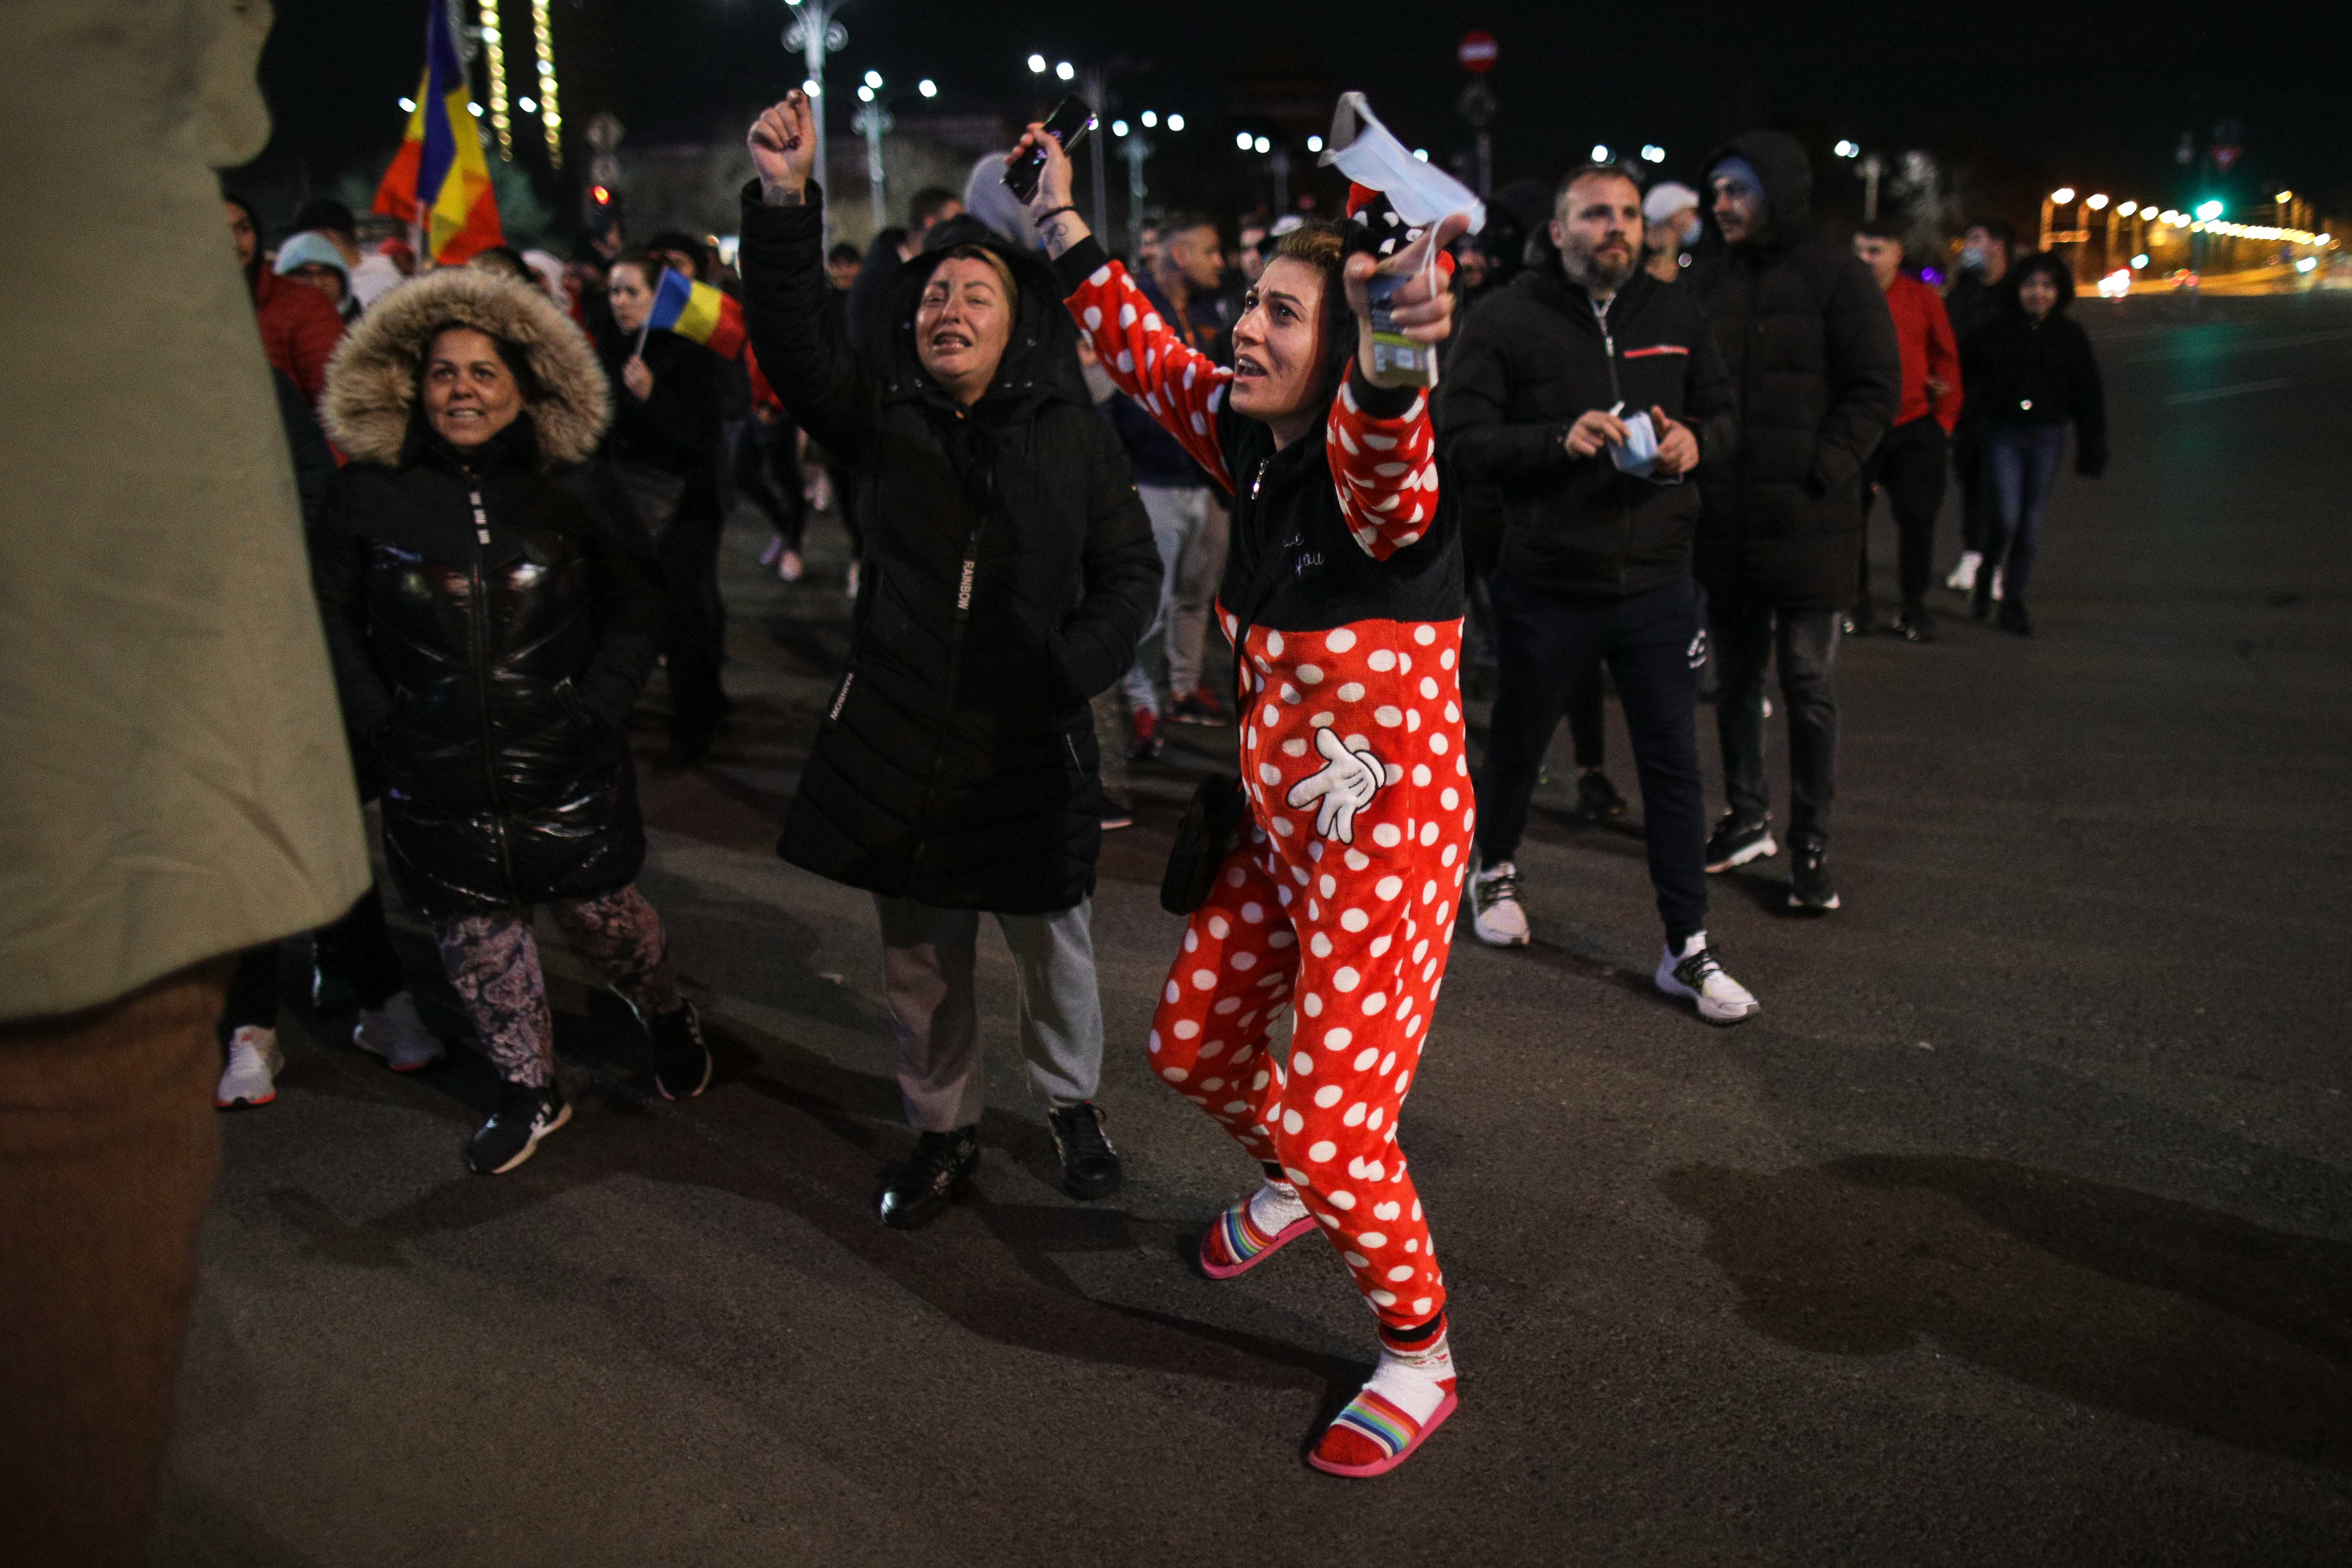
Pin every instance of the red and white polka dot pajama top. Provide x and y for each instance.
(1341, 904)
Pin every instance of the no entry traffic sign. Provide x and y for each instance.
(1476, 50)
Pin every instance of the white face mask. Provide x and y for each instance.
(1363, 150)
(1691, 231)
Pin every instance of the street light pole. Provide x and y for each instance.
(874, 121)
(1095, 83)
(1871, 167)
(815, 33)
(1135, 150)
(1278, 161)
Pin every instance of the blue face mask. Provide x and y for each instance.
(1691, 231)
(1974, 259)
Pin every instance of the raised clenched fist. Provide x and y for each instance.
(784, 147)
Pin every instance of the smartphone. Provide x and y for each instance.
(1393, 353)
(1068, 125)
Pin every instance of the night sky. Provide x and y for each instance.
(2012, 98)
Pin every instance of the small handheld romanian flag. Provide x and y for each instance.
(439, 181)
(698, 311)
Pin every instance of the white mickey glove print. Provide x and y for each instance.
(1350, 777)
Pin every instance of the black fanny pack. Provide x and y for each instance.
(1210, 830)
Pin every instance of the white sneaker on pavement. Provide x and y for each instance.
(396, 1032)
(1696, 976)
(1963, 579)
(1996, 584)
(1494, 912)
(251, 1075)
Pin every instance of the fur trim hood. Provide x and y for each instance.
(370, 393)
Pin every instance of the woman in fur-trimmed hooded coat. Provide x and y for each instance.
(489, 629)
(488, 679)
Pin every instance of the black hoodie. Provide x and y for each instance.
(1009, 570)
(1806, 335)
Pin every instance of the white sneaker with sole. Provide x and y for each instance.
(1963, 579)
(1694, 975)
(251, 1075)
(396, 1032)
(1494, 912)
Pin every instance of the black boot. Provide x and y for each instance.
(916, 1192)
(1090, 1167)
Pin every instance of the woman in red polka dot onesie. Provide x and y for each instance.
(1343, 591)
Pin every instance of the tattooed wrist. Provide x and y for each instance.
(776, 195)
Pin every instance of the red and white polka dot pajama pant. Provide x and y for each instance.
(1350, 926)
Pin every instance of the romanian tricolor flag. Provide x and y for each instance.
(698, 311)
(439, 181)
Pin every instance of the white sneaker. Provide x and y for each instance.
(251, 1075)
(1696, 976)
(1963, 579)
(1494, 912)
(1996, 584)
(396, 1032)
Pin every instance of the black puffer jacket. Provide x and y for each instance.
(1009, 570)
(491, 679)
(1533, 360)
(1805, 333)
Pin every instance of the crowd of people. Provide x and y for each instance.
(1089, 497)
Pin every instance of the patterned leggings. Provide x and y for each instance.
(493, 963)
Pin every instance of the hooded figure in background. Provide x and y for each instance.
(1008, 571)
(1804, 329)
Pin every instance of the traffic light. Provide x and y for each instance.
(601, 217)
(2208, 210)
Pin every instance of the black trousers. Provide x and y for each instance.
(768, 475)
(1746, 633)
(696, 640)
(1909, 467)
(357, 949)
(1547, 645)
(1976, 498)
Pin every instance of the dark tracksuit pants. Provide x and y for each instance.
(1909, 467)
(1745, 634)
(356, 949)
(1548, 645)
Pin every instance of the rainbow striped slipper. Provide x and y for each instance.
(1373, 1436)
(1234, 1244)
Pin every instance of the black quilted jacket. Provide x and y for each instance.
(491, 682)
(1804, 330)
(1008, 572)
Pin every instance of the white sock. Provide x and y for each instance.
(1276, 1207)
(1413, 1379)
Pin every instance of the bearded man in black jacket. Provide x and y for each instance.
(1596, 558)
(1806, 335)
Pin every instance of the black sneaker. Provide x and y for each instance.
(1810, 893)
(332, 992)
(681, 1061)
(2013, 618)
(1596, 799)
(1915, 626)
(917, 1191)
(511, 1135)
(1090, 1167)
(1859, 622)
(1735, 843)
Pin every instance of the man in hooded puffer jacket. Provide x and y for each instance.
(1806, 335)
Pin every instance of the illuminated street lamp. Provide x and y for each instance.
(2049, 206)
(873, 120)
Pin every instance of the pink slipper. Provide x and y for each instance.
(1234, 1244)
(1373, 1436)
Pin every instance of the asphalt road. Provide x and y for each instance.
(2017, 1229)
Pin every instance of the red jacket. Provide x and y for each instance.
(299, 330)
(1924, 334)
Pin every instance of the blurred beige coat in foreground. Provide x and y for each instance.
(173, 784)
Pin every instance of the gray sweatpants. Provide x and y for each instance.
(927, 972)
